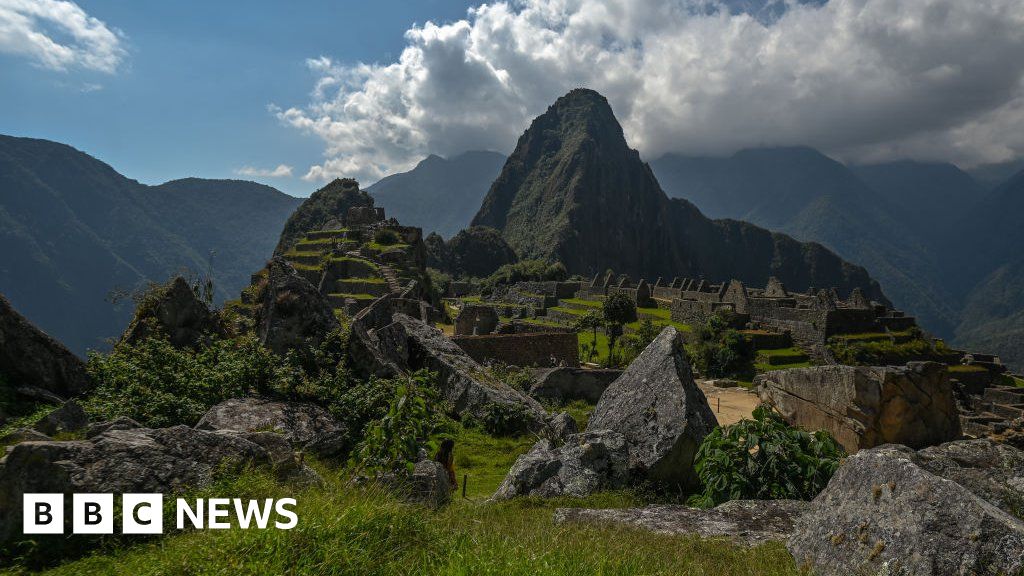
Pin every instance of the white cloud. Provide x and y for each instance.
(281, 171)
(59, 35)
(861, 79)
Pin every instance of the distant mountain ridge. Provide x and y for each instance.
(439, 195)
(812, 197)
(574, 191)
(72, 229)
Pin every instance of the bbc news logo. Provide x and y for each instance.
(144, 513)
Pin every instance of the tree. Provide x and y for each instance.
(590, 321)
(618, 309)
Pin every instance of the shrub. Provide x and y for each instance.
(501, 419)
(764, 458)
(393, 442)
(519, 378)
(718, 350)
(524, 270)
(386, 237)
(159, 385)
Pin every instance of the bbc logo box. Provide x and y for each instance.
(92, 514)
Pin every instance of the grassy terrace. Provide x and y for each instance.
(353, 296)
(344, 529)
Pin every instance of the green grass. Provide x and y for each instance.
(587, 337)
(354, 296)
(367, 280)
(655, 313)
(352, 259)
(581, 302)
(572, 311)
(27, 417)
(385, 247)
(963, 368)
(345, 529)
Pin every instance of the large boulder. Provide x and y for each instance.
(292, 314)
(746, 522)
(889, 508)
(866, 406)
(583, 464)
(660, 411)
(142, 460)
(302, 424)
(69, 417)
(565, 383)
(29, 358)
(176, 312)
(408, 344)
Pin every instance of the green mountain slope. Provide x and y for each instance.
(574, 191)
(72, 230)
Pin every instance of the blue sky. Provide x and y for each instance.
(191, 96)
(164, 90)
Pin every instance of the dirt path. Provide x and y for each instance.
(730, 405)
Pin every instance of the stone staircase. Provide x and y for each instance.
(391, 278)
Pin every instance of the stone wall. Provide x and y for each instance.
(866, 406)
(540, 349)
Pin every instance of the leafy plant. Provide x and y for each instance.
(501, 419)
(592, 320)
(393, 442)
(618, 309)
(718, 350)
(386, 237)
(519, 378)
(764, 458)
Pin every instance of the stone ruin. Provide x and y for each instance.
(811, 317)
(603, 287)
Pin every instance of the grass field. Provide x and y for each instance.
(347, 530)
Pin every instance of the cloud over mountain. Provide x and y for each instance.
(59, 35)
(859, 79)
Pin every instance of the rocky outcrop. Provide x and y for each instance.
(19, 435)
(176, 312)
(293, 315)
(30, 358)
(866, 406)
(429, 484)
(163, 460)
(565, 384)
(660, 411)
(119, 423)
(746, 522)
(560, 427)
(583, 464)
(406, 345)
(70, 417)
(302, 424)
(932, 512)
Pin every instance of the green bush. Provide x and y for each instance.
(413, 417)
(718, 350)
(764, 459)
(159, 385)
(519, 378)
(386, 237)
(876, 352)
(524, 270)
(501, 419)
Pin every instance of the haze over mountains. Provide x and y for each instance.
(72, 229)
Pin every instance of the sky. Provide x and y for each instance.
(294, 94)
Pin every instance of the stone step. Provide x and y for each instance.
(1007, 411)
(321, 234)
(361, 286)
(1003, 395)
(304, 258)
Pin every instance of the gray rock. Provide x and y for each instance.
(292, 314)
(585, 463)
(429, 484)
(660, 411)
(560, 427)
(302, 424)
(31, 358)
(177, 313)
(565, 384)
(883, 510)
(407, 345)
(746, 522)
(19, 435)
(866, 406)
(119, 423)
(164, 460)
(70, 417)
